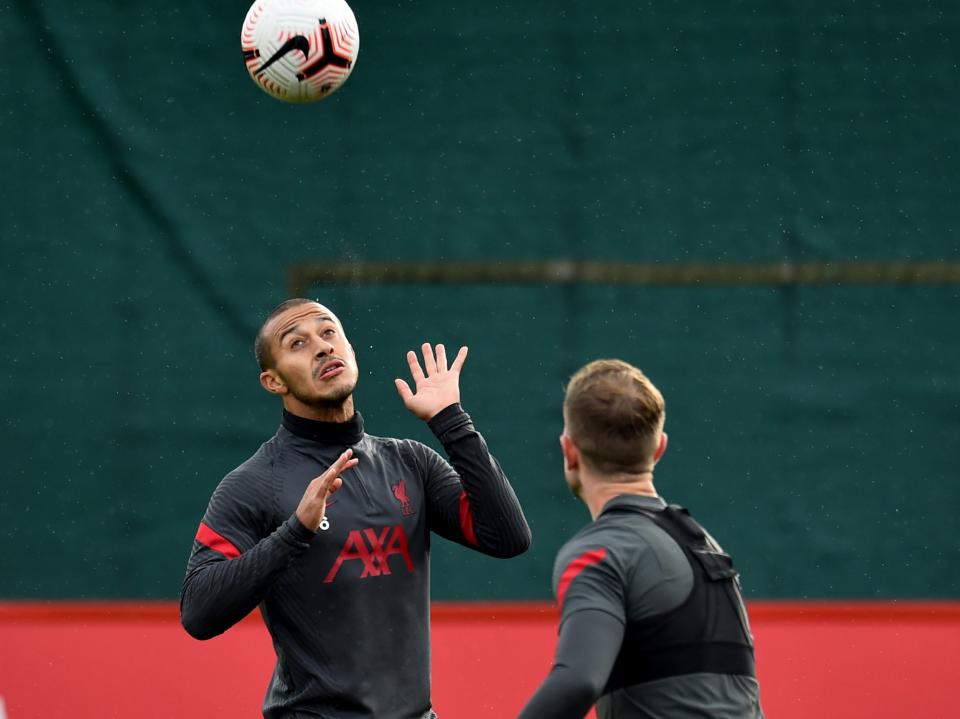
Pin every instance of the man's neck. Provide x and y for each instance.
(323, 413)
(597, 491)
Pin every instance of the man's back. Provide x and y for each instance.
(652, 623)
(673, 661)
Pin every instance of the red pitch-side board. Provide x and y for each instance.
(132, 660)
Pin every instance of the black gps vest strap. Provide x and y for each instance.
(707, 633)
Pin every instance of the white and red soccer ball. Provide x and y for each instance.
(300, 50)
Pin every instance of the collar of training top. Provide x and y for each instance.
(342, 433)
(627, 502)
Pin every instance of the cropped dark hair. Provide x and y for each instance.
(261, 346)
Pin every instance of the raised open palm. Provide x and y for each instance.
(438, 388)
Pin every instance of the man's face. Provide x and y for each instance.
(313, 363)
(571, 464)
(573, 482)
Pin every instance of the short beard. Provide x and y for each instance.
(333, 401)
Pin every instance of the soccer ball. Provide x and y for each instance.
(300, 50)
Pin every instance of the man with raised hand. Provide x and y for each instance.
(327, 528)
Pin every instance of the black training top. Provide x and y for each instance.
(620, 582)
(347, 607)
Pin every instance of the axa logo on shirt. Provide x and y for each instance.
(373, 547)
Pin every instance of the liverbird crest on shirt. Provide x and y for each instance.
(400, 492)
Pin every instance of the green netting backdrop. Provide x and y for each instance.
(152, 201)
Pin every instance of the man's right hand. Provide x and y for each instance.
(312, 506)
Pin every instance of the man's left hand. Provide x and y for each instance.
(439, 388)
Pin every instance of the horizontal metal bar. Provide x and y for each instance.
(549, 272)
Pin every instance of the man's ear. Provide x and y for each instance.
(571, 453)
(270, 381)
(661, 448)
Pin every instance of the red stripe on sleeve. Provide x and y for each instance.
(466, 519)
(592, 556)
(217, 542)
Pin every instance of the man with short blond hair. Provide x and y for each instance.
(615, 413)
(652, 622)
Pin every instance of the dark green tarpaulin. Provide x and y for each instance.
(153, 201)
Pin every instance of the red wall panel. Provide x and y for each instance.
(134, 660)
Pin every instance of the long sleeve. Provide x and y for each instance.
(236, 557)
(586, 651)
(470, 499)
